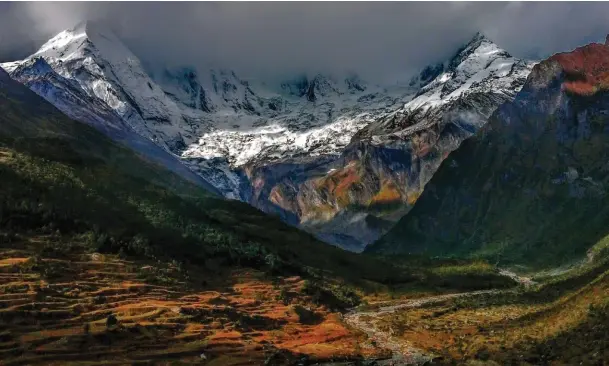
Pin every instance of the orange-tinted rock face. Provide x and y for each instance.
(586, 69)
(339, 184)
(281, 199)
(388, 194)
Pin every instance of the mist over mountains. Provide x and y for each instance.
(381, 42)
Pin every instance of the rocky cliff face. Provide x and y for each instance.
(531, 185)
(353, 199)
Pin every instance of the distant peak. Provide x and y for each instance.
(479, 36)
(607, 40)
(83, 39)
(476, 41)
(469, 49)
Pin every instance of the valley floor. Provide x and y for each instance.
(402, 352)
(70, 307)
(556, 323)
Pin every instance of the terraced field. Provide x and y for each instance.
(99, 309)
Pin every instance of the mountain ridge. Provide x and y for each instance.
(383, 170)
(537, 168)
(242, 139)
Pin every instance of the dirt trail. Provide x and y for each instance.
(525, 281)
(404, 354)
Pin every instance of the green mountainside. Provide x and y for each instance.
(531, 187)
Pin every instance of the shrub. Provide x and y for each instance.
(306, 316)
(111, 321)
(284, 296)
(336, 297)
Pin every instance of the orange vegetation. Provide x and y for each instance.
(462, 331)
(587, 68)
(237, 317)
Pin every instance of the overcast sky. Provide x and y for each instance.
(377, 40)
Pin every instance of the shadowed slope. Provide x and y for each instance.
(531, 186)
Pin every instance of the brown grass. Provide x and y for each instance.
(236, 318)
(461, 333)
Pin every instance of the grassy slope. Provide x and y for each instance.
(55, 302)
(561, 321)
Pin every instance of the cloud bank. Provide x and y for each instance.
(377, 40)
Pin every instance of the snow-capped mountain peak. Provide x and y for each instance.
(474, 47)
(479, 66)
(477, 78)
(210, 90)
(105, 69)
(321, 87)
(72, 42)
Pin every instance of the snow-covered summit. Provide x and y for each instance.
(462, 91)
(212, 91)
(107, 71)
(320, 86)
(479, 66)
(210, 114)
(85, 37)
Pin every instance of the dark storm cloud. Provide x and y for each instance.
(379, 40)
